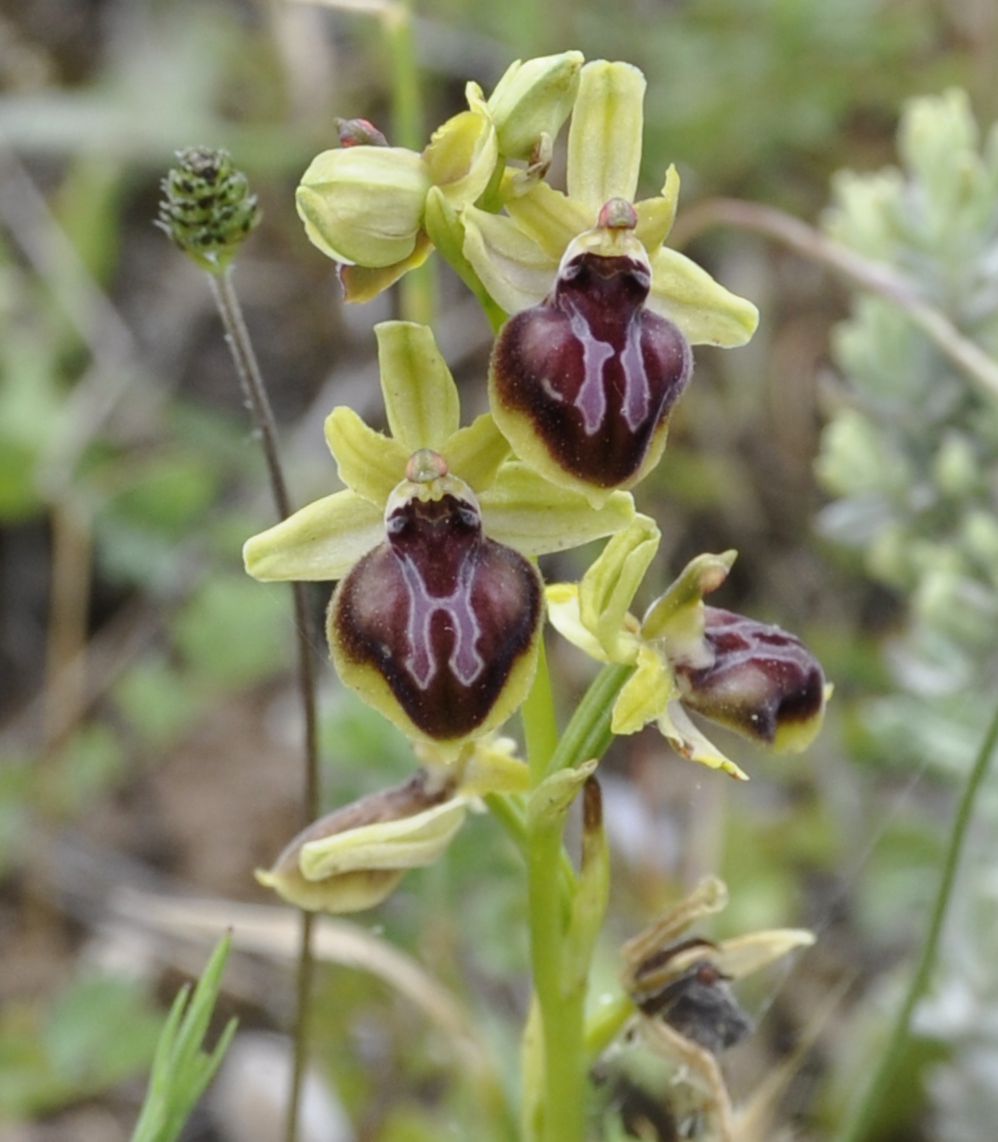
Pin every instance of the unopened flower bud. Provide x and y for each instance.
(437, 627)
(363, 205)
(207, 208)
(532, 100)
(352, 859)
(583, 384)
(763, 682)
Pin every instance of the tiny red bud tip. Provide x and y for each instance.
(359, 133)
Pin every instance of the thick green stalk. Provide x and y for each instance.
(861, 1122)
(555, 1099)
(562, 1103)
(588, 734)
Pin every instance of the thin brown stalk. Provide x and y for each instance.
(255, 392)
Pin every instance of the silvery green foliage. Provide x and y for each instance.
(962, 1009)
(911, 453)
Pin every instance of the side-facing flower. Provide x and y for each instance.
(750, 677)
(354, 858)
(438, 612)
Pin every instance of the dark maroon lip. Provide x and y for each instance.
(762, 678)
(593, 370)
(441, 612)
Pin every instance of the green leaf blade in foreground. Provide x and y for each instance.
(182, 1069)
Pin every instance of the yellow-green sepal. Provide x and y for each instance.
(403, 843)
(476, 452)
(516, 271)
(351, 892)
(550, 218)
(604, 140)
(463, 152)
(609, 586)
(445, 227)
(421, 399)
(534, 516)
(645, 694)
(563, 614)
(320, 542)
(364, 283)
(686, 739)
(678, 613)
(706, 312)
(532, 99)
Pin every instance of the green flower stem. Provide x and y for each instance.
(540, 726)
(417, 289)
(606, 1023)
(863, 1119)
(557, 1096)
(562, 1102)
(255, 391)
(588, 734)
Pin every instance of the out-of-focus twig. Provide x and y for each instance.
(863, 272)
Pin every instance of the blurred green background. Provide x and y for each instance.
(149, 748)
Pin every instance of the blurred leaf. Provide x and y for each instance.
(86, 768)
(167, 494)
(96, 1032)
(159, 701)
(233, 632)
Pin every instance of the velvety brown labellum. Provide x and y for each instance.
(595, 371)
(441, 612)
(763, 680)
(701, 1006)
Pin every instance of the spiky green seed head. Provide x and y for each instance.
(207, 208)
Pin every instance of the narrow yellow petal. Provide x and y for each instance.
(368, 462)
